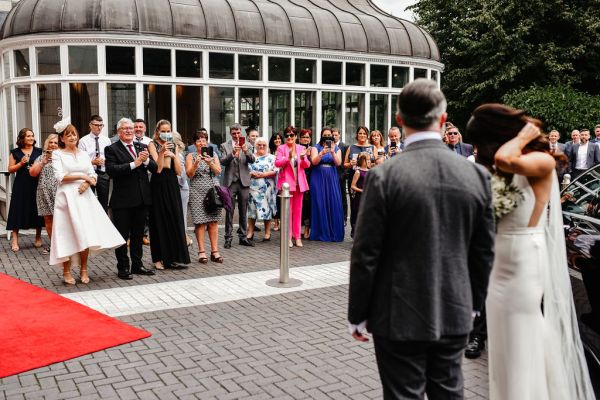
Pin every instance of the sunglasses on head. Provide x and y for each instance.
(287, 135)
(451, 133)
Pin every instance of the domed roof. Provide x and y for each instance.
(352, 25)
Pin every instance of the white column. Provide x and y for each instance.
(264, 113)
(293, 107)
(318, 113)
(206, 109)
(236, 104)
(66, 101)
(35, 115)
(174, 107)
(368, 75)
(139, 102)
(103, 107)
(343, 125)
(367, 121)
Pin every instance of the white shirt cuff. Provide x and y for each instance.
(132, 165)
(360, 328)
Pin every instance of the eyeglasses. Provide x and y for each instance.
(452, 133)
(98, 125)
(287, 135)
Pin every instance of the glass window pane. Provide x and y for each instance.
(332, 73)
(420, 73)
(188, 64)
(157, 104)
(83, 60)
(157, 62)
(48, 60)
(435, 76)
(332, 109)
(355, 74)
(250, 108)
(220, 66)
(399, 76)
(6, 66)
(121, 104)
(189, 111)
(50, 103)
(305, 71)
(84, 104)
(355, 115)
(279, 69)
(22, 62)
(304, 116)
(221, 113)
(120, 60)
(279, 110)
(379, 75)
(249, 67)
(9, 120)
(378, 112)
(23, 106)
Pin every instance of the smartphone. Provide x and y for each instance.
(207, 151)
(241, 141)
(328, 143)
(48, 152)
(392, 145)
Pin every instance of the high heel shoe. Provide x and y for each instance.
(291, 244)
(68, 278)
(216, 259)
(202, 260)
(299, 243)
(84, 275)
(159, 265)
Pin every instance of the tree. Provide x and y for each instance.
(490, 48)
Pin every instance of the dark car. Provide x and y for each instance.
(581, 216)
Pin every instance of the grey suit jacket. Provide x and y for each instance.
(226, 158)
(423, 245)
(593, 155)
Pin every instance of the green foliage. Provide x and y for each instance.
(492, 47)
(560, 107)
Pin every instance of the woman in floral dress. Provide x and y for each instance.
(262, 204)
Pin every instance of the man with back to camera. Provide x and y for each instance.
(94, 144)
(419, 300)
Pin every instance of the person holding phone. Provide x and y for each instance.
(376, 139)
(202, 166)
(262, 204)
(395, 146)
(276, 141)
(168, 244)
(327, 219)
(305, 140)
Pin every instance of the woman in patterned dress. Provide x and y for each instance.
(47, 184)
(262, 204)
(202, 169)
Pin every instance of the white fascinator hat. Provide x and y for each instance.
(61, 125)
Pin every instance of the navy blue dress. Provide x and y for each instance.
(327, 216)
(23, 206)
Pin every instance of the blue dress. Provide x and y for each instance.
(327, 216)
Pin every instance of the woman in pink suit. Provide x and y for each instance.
(292, 160)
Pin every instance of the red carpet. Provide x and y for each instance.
(39, 328)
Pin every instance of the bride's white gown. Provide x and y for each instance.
(533, 354)
(79, 221)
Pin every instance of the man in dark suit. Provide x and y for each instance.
(583, 155)
(128, 165)
(236, 177)
(455, 144)
(414, 289)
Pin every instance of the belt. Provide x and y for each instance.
(326, 165)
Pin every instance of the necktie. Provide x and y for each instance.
(130, 147)
(97, 149)
(139, 139)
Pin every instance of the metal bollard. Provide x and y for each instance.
(284, 251)
(565, 182)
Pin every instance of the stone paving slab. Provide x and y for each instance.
(287, 346)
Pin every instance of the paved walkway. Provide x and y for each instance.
(218, 332)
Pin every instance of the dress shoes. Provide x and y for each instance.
(176, 266)
(142, 271)
(125, 275)
(246, 242)
(227, 244)
(474, 347)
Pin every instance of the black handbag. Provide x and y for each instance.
(212, 200)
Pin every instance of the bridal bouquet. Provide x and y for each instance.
(505, 196)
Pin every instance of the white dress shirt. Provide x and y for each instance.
(581, 162)
(132, 144)
(88, 144)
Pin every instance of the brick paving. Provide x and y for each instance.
(286, 346)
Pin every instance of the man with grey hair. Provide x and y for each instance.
(128, 163)
(235, 157)
(395, 146)
(411, 287)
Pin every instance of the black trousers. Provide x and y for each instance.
(479, 326)
(130, 224)
(241, 193)
(343, 192)
(409, 369)
(101, 189)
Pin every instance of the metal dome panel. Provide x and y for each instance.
(47, 16)
(220, 23)
(120, 15)
(188, 19)
(278, 29)
(155, 17)
(248, 20)
(82, 15)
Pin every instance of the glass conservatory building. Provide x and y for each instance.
(206, 63)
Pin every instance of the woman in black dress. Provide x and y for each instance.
(168, 243)
(23, 209)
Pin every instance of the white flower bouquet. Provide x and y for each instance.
(505, 196)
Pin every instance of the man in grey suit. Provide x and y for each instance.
(583, 155)
(236, 177)
(422, 255)
(555, 145)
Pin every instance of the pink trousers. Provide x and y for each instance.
(295, 214)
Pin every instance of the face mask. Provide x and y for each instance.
(166, 136)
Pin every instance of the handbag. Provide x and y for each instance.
(212, 201)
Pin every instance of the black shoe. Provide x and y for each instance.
(125, 275)
(142, 271)
(227, 244)
(176, 266)
(474, 348)
(246, 242)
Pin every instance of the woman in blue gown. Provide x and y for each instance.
(327, 216)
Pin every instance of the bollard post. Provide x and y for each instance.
(284, 250)
(565, 182)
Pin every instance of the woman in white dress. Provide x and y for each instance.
(534, 347)
(81, 226)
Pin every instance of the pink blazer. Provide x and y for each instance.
(286, 172)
